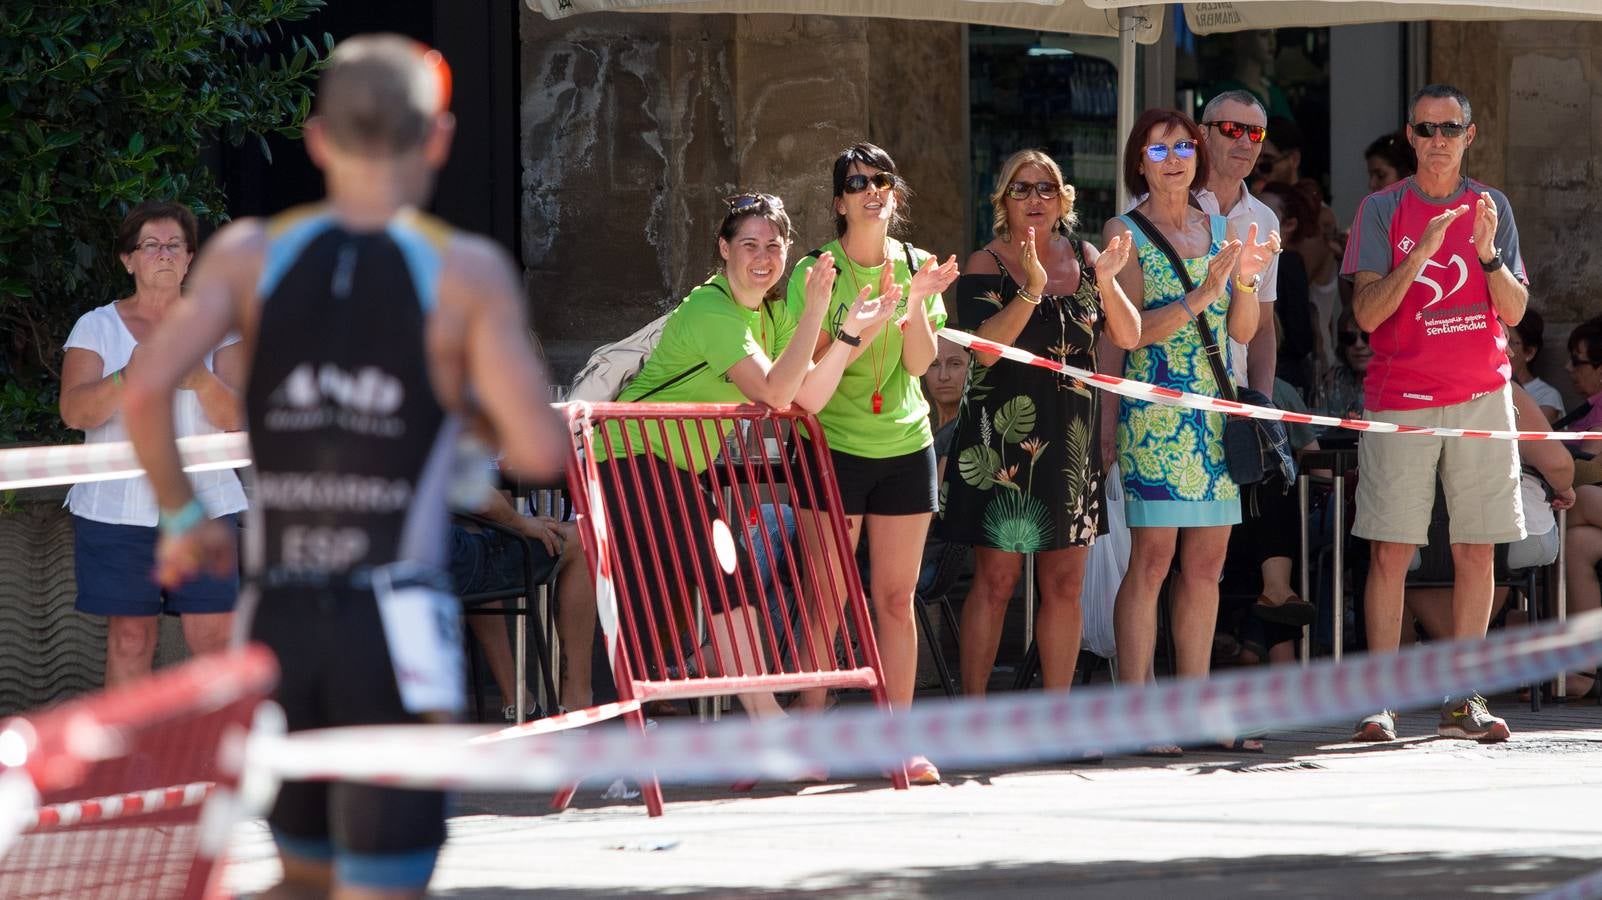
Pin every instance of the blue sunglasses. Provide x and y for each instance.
(1159, 152)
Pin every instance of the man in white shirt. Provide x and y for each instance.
(1236, 125)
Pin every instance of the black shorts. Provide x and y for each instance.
(336, 670)
(894, 486)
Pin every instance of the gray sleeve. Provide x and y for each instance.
(1368, 249)
(1507, 237)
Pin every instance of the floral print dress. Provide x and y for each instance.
(1172, 458)
(1024, 473)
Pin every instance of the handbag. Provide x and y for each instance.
(1254, 449)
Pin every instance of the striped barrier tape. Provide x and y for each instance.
(994, 730)
(1139, 390)
(117, 806)
(24, 467)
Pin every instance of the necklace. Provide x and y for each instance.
(880, 343)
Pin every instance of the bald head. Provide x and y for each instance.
(381, 94)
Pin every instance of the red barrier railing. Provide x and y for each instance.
(701, 588)
(130, 792)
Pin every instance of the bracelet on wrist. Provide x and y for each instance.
(1027, 297)
(1185, 302)
(1249, 287)
(182, 520)
(116, 377)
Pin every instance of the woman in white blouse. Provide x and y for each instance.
(115, 522)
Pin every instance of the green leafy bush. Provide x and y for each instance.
(103, 105)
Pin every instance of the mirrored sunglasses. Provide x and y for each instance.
(753, 202)
(1159, 152)
(1233, 130)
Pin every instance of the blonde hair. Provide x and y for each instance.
(1066, 220)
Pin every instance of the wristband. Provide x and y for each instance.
(181, 522)
(116, 377)
(850, 340)
(1186, 303)
(1249, 287)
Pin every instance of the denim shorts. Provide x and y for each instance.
(116, 566)
(487, 561)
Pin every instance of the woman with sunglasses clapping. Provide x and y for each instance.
(1028, 477)
(877, 423)
(732, 339)
(1177, 489)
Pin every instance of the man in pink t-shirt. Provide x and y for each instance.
(1436, 271)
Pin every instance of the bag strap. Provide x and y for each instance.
(1226, 387)
(691, 371)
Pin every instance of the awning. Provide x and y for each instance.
(1069, 16)
(1247, 15)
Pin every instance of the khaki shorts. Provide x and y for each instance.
(1396, 475)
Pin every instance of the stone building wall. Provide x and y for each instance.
(635, 125)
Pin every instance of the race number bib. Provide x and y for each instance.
(422, 626)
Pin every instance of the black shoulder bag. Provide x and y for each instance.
(1254, 449)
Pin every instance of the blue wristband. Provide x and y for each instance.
(1186, 303)
(181, 522)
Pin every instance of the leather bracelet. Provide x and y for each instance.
(182, 521)
(1028, 298)
(850, 340)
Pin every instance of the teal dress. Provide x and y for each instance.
(1172, 458)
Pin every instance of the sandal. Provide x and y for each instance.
(1166, 751)
(1294, 611)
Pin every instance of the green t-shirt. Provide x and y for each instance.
(902, 424)
(705, 336)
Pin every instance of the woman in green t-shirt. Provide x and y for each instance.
(722, 344)
(877, 422)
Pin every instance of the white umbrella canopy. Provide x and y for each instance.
(1248, 15)
(1068, 16)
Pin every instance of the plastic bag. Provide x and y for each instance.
(1104, 572)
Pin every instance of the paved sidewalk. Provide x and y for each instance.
(1314, 816)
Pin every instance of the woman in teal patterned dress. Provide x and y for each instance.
(1177, 490)
(1024, 474)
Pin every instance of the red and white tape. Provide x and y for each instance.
(24, 467)
(1139, 390)
(998, 729)
(117, 806)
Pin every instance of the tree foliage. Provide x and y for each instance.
(103, 105)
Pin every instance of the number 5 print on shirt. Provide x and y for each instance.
(1457, 262)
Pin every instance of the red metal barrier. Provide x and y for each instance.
(693, 597)
(135, 786)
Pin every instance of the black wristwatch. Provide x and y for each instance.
(1494, 263)
(850, 340)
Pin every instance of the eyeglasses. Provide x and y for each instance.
(1429, 129)
(881, 181)
(1159, 152)
(753, 202)
(1233, 130)
(1576, 362)
(1350, 338)
(1045, 190)
(153, 247)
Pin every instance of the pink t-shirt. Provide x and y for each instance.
(1444, 344)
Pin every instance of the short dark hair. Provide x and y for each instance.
(1297, 206)
(1285, 134)
(1135, 147)
(381, 93)
(874, 157)
(1395, 151)
(1588, 332)
(1441, 92)
(1532, 332)
(155, 211)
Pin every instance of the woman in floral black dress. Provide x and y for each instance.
(1025, 471)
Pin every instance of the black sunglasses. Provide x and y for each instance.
(1045, 190)
(1350, 338)
(881, 181)
(750, 202)
(1428, 129)
(1233, 130)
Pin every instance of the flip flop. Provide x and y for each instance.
(1164, 751)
